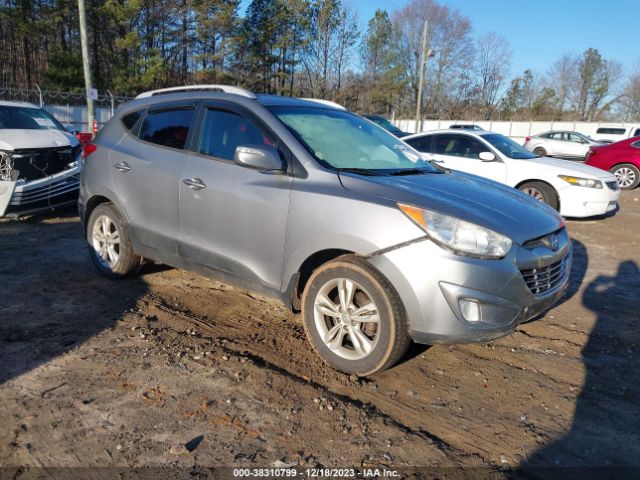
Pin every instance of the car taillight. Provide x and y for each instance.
(88, 149)
(528, 139)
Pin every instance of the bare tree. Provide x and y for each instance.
(630, 107)
(492, 67)
(560, 77)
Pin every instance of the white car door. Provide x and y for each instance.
(462, 152)
(576, 145)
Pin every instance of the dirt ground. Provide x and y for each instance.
(173, 369)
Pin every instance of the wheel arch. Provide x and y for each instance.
(299, 279)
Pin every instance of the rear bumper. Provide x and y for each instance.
(432, 282)
(48, 193)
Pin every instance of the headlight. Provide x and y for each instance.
(581, 182)
(461, 237)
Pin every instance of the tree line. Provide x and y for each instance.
(308, 48)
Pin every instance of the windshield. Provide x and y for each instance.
(343, 140)
(384, 123)
(508, 147)
(27, 118)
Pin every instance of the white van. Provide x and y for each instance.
(616, 133)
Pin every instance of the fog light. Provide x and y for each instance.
(470, 309)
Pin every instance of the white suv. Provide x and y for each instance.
(39, 161)
(615, 133)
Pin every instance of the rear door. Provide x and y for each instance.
(233, 218)
(146, 169)
(461, 152)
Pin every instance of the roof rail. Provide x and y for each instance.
(328, 103)
(199, 88)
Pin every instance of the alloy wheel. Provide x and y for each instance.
(626, 177)
(347, 318)
(105, 240)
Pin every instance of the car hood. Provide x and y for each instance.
(556, 166)
(468, 197)
(14, 139)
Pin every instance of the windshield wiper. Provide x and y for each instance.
(409, 171)
(359, 171)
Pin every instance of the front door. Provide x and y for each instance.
(232, 218)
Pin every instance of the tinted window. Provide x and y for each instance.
(23, 118)
(556, 136)
(422, 144)
(168, 128)
(611, 131)
(459, 146)
(223, 131)
(637, 132)
(130, 119)
(545, 135)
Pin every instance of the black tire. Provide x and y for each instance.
(632, 175)
(392, 332)
(541, 152)
(541, 191)
(127, 263)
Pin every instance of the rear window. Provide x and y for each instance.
(168, 128)
(24, 118)
(612, 131)
(130, 119)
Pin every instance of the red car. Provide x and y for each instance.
(620, 158)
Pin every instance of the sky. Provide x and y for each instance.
(540, 31)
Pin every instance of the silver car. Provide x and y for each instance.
(325, 211)
(572, 145)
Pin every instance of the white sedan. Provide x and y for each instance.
(574, 189)
(560, 144)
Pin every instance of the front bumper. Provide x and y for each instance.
(47, 193)
(582, 202)
(431, 282)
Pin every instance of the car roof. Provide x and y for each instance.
(223, 92)
(472, 133)
(4, 103)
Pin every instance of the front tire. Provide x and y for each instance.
(353, 317)
(628, 176)
(541, 192)
(110, 246)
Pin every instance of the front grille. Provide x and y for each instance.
(34, 164)
(613, 186)
(545, 279)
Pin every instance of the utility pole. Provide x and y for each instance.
(88, 84)
(425, 54)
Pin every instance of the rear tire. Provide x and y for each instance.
(627, 174)
(541, 152)
(353, 317)
(542, 192)
(110, 246)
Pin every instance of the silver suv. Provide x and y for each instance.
(325, 211)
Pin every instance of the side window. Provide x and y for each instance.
(611, 131)
(422, 144)
(168, 128)
(555, 136)
(575, 138)
(223, 132)
(130, 119)
(546, 135)
(459, 146)
(637, 132)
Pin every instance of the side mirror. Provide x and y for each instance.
(259, 157)
(487, 156)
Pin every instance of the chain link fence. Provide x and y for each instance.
(69, 107)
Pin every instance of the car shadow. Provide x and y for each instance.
(51, 296)
(604, 439)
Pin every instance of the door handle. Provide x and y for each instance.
(122, 166)
(194, 183)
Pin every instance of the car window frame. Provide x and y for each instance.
(230, 107)
(172, 105)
